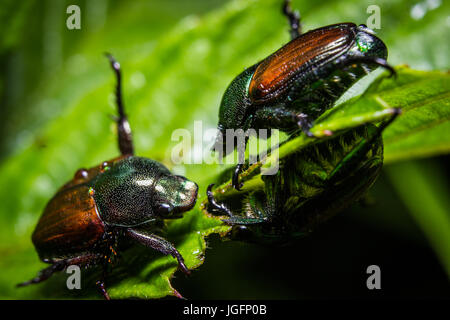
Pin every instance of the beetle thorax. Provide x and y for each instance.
(124, 193)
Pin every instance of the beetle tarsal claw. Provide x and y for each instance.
(304, 124)
(101, 286)
(235, 179)
(215, 206)
(184, 268)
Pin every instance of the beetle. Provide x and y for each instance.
(297, 83)
(312, 184)
(310, 187)
(124, 198)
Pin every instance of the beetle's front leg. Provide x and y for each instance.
(283, 119)
(270, 117)
(241, 159)
(159, 244)
(294, 19)
(256, 209)
(369, 60)
(123, 127)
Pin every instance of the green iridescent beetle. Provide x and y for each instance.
(289, 89)
(126, 198)
(318, 181)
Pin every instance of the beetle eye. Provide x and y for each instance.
(164, 209)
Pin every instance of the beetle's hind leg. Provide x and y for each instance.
(60, 265)
(123, 127)
(46, 273)
(101, 286)
(294, 19)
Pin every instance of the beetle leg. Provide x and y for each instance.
(61, 265)
(257, 210)
(304, 123)
(46, 273)
(101, 286)
(373, 60)
(241, 159)
(235, 178)
(283, 119)
(159, 244)
(215, 206)
(235, 219)
(294, 19)
(123, 127)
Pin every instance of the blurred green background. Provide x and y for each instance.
(178, 56)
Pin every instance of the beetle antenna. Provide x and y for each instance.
(124, 130)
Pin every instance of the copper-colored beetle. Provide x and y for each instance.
(290, 88)
(125, 197)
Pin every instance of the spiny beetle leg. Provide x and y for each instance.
(159, 244)
(215, 206)
(374, 60)
(44, 274)
(257, 209)
(294, 19)
(241, 159)
(243, 220)
(101, 285)
(282, 118)
(61, 265)
(233, 219)
(235, 179)
(123, 127)
(304, 123)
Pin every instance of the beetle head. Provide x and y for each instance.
(173, 195)
(367, 44)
